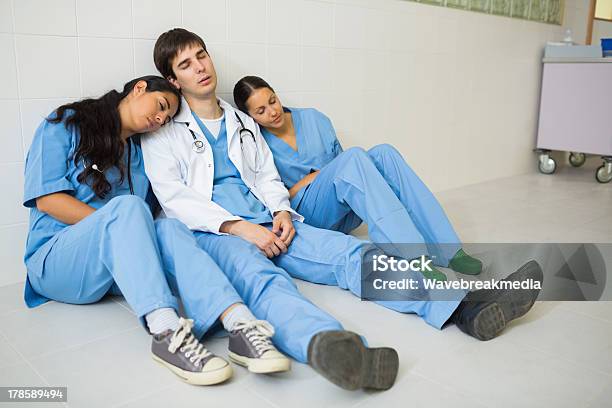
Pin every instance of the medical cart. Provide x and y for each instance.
(576, 113)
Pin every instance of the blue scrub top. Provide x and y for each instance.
(50, 168)
(229, 191)
(317, 145)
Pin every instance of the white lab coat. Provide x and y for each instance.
(182, 179)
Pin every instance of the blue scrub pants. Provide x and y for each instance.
(269, 292)
(147, 260)
(315, 255)
(380, 188)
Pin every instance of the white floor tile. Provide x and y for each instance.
(501, 373)
(302, 387)
(55, 326)
(567, 336)
(599, 310)
(418, 392)
(8, 355)
(601, 400)
(603, 224)
(22, 375)
(106, 372)
(185, 395)
(11, 298)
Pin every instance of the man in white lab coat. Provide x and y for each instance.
(211, 169)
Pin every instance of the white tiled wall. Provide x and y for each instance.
(455, 91)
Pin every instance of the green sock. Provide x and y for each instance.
(463, 263)
(435, 274)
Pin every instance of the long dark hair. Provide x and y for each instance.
(99, 126)
(245, 87)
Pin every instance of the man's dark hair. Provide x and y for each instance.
(169, 44)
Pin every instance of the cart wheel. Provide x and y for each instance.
(603, 174)
(547, 164)
(577, 159)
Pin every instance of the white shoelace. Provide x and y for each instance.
(258, 333)
(184, 338)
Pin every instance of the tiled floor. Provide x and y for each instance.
(559, 355)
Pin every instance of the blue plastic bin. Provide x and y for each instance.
(606, 47)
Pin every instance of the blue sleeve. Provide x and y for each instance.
(330, 133)
(47, 163)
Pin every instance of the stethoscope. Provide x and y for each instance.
(95, 167)
(198, 145)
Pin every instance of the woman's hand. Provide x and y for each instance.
(283, 224)
(309, 178)
(264, 239)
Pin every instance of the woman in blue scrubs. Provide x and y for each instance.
(336, 189)
(92, 232)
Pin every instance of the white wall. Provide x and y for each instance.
(456, 92)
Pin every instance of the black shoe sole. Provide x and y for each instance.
(511, 304)
(341, 357)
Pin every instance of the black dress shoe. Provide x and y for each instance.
(486, 317)
(341, 357)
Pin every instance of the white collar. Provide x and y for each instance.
(185, 115)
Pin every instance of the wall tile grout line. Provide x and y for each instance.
(227, 21)
(133, 36)
(78, 44)
(11, 163)
(11, 284)
(20, 113)
(182, 13)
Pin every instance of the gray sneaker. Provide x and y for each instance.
(250, 346)
(186, 357)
